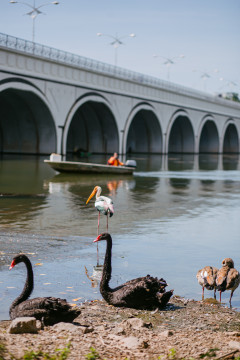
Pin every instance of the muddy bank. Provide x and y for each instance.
(192, 328)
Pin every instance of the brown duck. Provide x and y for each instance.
(228, 278)
(207, 279)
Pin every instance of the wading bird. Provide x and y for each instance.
(104, 205)
(141, 293)
(228, 278)
(49, 310)
(207, 279)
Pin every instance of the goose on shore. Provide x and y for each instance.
(207, 279)
(228, 278)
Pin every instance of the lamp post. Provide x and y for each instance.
(34, 12)
(228, 83)
(116, 43)
(204, 76)
(169, 61)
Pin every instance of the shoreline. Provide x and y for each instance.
(184, 329)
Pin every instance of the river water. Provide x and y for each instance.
(175, 215)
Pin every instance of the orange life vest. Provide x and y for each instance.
(114, 162)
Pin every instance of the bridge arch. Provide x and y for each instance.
(142, 133)
(91, 126)
(208, 136)
(230, 138)
(180, 135)
(26, 122)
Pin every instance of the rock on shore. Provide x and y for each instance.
(186, 328)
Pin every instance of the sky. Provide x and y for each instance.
(206, 32)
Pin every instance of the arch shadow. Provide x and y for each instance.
(92, 129)
(209, 137)
(181, 136)
(230, 139)
(26, 123)
(144, 133)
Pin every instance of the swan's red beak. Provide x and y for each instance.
(97, 239)
(12, 265)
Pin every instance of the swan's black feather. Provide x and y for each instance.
(50, 310)
(142, 293)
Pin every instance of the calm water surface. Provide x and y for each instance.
(174, 216)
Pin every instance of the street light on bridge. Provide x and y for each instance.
(169, 62)
(205, 76)
(228, 83)
(116, 43)
(34, 12)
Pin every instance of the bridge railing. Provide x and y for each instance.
(65, 57)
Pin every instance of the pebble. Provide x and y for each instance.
(23, 325)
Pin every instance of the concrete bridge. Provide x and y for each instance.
(54, 101)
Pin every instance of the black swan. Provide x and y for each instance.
(141, 293)
(49, 310)
(228, 278)
(207, 279)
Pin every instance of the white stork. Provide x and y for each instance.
(103, 204)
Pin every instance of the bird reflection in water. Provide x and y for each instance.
(96, 276)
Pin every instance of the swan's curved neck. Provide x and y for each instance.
(28, 287)
(107, 268)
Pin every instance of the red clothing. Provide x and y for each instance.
(114, 162)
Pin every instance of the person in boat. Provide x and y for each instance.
(114, 161)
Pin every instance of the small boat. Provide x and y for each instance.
(82, 167)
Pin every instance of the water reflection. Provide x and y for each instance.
(96, 276)
(179, 183)
(145, 189)
(22, 175)
(163, 214)
(113, 185)
(230, 162)
(20, 209)
(180, 162)
(148, 162)
(208, 161)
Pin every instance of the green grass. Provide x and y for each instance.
(93, 355)
(2, 351)
(59, 354)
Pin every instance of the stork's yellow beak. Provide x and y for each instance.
(92, 194)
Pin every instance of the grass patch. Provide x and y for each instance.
(59, 354)
(2, 351)
(92, 355)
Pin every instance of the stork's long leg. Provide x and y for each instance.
(98, 223)
(215, 293)
(107, 222)
(203, 293)
(220, 296)
(97, 235)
